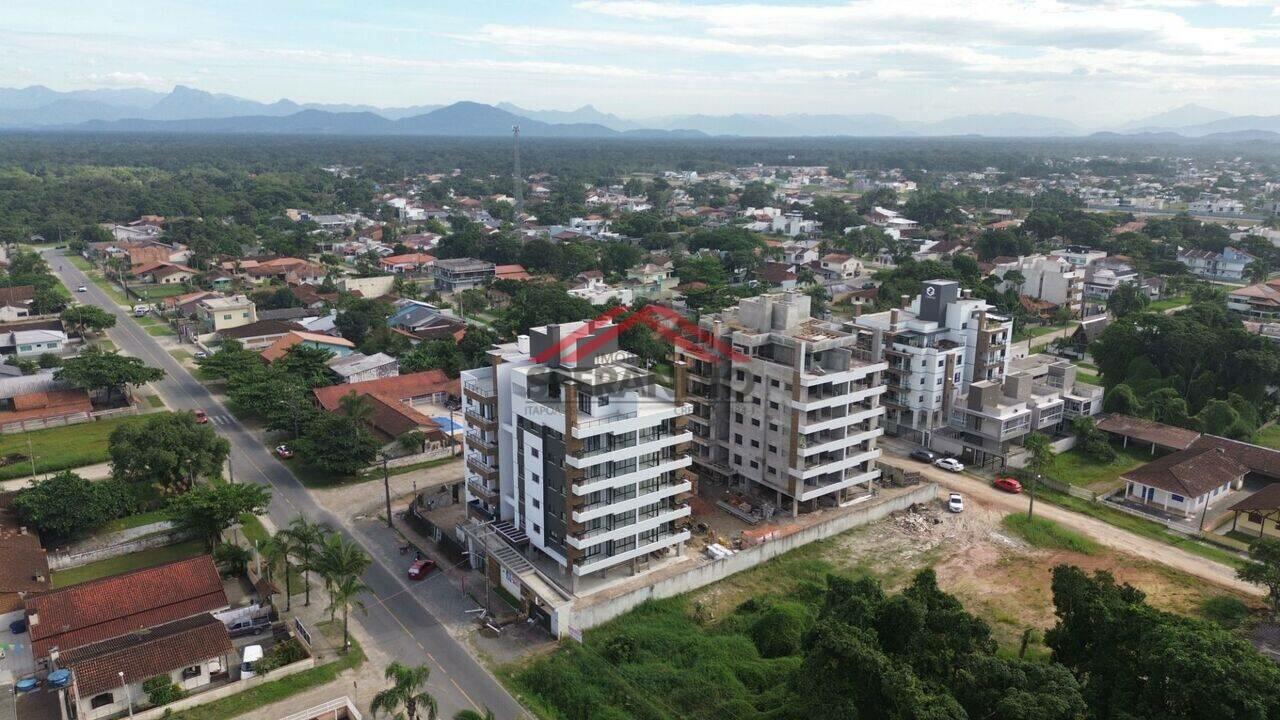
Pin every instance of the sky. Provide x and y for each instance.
(1094, 62)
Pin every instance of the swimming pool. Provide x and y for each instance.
(447, 425)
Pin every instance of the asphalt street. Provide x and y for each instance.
(397, 619)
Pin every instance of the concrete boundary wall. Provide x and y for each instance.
(234, 688)
(708, 571)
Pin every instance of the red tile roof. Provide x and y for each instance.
(1190, 473)
(25, 568)
(1170, 437)
(281, 347)
(141, 656)
(112, 606)
(392, 413)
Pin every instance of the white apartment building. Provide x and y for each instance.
(1079, 255)
(574, 455)
(785, 405)
(934, 347)
(1048, 278)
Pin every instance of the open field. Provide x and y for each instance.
(1077, 468)
(1268, 436)
(60, 448)
(1169, 303)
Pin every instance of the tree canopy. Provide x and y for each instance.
(169, 450)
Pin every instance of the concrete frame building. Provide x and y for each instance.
(458, 274)
(936, 346)
(576, 454)
(1049, 278)
(794, 410)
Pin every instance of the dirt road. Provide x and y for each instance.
(979, 491)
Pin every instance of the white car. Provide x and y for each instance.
(252, 654)
(950, 464)
(82, 289)
(955, 503)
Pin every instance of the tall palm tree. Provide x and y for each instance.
(408, 690)
(474, 715)
(308, 538)
(344, 594)
(356, 407)
(340, 559)
(277, 552)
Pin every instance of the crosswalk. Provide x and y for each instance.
(220, 419)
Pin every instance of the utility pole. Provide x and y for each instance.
(517, 180)
(386, 486)
(1031, 509)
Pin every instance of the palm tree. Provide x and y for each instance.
(356, 407)
(1257, 271)
(308, 537)
(474, 715)
(340, 561)
(408, 690)
(277, 552)
(343, 592)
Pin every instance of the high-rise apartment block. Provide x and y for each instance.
(935, 346)
(785, 405)
(575, 453)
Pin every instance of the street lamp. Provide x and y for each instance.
(128, 696)
(386, 487)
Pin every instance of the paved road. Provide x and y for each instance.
(397, 620)
(980, 491)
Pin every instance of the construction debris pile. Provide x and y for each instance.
(917, 519)
(747, 509)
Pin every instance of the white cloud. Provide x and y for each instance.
(126, 79)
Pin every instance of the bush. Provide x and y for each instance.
(161, 690)
(780, 629)
(285, 653)
(48, 360)
(1226, 610)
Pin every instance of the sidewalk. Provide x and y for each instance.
(100, 471)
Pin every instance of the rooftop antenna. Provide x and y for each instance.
(517, 181)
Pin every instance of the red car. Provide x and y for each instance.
(1008, 485)
(421, 568)
(201, 417)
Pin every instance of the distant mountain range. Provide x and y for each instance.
(189, 110)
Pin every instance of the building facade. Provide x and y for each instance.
(935, 346)
(575, 454)
(785, 404)
(1048, 278)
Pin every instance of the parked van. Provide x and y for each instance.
(252, 654)
(141, 310)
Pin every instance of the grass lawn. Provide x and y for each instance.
(1169, 303)
(1079, 469)
(392, 472)
(1049, 535)
(156, 292)
(181, 354)
(112, 290)
(155, 401)
(1268, 436)
(132, 521)
(80, 263)
(1088, 377)
(125, 563)
(60, 448)
(1139, 526)
(1035, 331)
(106, 344)
(275, 691)
(159, 330)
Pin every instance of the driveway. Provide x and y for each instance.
(398, 620)
(979, 491)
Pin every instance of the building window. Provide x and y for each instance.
(755, 465)
(1176, 498)
(741, 375)
(534, 451)
(774, 383)
(533, 477)
(773, 405)
(102, 700)
(602, 401)
(755, 443)
(755, 422)
(194, 671)
(537, 529)
(773, 449)
(773, 427)
(737, 417)
(737, 459)
(737, 438)
(536, 504)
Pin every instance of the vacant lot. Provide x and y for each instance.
(59, 448)
(1077, 468)
(125, 563)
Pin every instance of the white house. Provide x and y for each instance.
(1230, 264)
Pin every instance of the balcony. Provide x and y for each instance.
(481, 468)
(600, 562)
(595, 536)
(483, 389)
(614, 506)
(479, 489)
(481, 443)
(474, 417)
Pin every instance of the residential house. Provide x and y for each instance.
(32, 342)
(163, 273)
(590, 286)
(286, 269)
(31, 399)
(358, 367)
(412, 264)
(778, 276)
(1050, 279)
(458, 274)
(1083, 335)
(1079, 255)
(395, 401)
(25, 570)
(1230, 264)
(258, 335)
(1185, 483)
(223, 313)
(511, 272)
(1104, 276)
(425, 321)
(15, 302)
(839, 266)
(339, 347)
(653, 281)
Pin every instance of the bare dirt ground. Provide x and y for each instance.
(997, 575)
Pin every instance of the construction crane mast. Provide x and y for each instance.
(516, 178)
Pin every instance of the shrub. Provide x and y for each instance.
(1226, 610)
(161, 690)
(780, 629)
(1048, 534)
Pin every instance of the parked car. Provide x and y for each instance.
(19, 626)
(949, 464)
(200, 355)
(140, 310)
(923, 455)
(284, 451)
(421, 568)
(1007, 484)
(251, 655)
(955, 503)
(201, 417)
(249, 626)
(82, 288)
